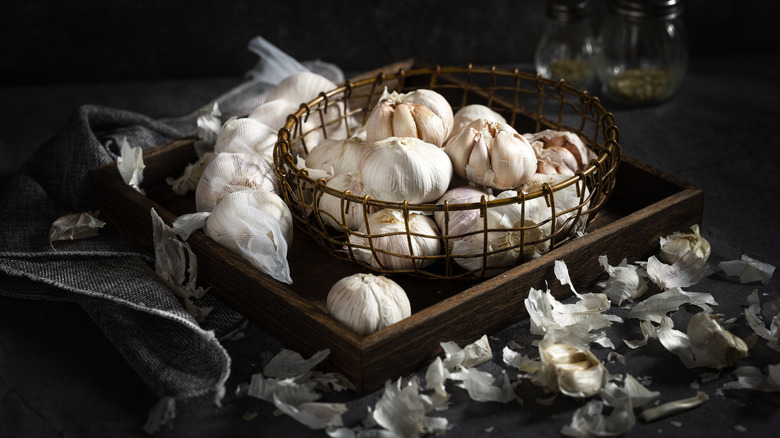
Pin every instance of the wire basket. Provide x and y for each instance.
(528, 102)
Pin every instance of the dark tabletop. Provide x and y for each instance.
(59, 376)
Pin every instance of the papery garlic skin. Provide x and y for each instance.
(712, 345)
(353, 211)
(676, 244)
(399, 169)
(367, 303)
(337, 156)
(570, 147)
(391, 244)
(572, 370)
(472, 112)
(423, 114)
(256, 225)
(491, 154)
(243, 135)
(232, 172)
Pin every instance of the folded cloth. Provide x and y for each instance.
(112, 279)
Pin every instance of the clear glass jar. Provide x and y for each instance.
(643, 51)
(567, 46)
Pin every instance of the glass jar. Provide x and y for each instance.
(567, 46)
(643, 51)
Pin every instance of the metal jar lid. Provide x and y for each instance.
(567, 9)
(642, 9)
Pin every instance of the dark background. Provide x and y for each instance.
(89, 41)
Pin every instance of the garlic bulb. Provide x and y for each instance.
(399, 169)
(301, 87)
(491, 154)
(572, 370)
(393, 249)
(565, 199)
(508, 225)
(711, 344)
(472, 112)
(336, 156)
(231, 172)
(459, 222)
(424, 114)
(331, 207)
(247, 135)
(677, 244)
(566, 148)
(366, 303)
(258, 226)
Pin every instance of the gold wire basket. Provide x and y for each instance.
(528, 102)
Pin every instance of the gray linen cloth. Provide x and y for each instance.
(111, 278)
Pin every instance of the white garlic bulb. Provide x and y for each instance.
(393, 249)
(424, 114)
(399, 169)
(491, 154)
(459, 222)
(258, 226)
(526, 222)
(567, 200)
(677, 244)
(247, 135)
(337, 156)
(571, 370)
(367, 303)
(711, 344)
(469, 113)
(231, 172)
(331, 207)
(301, 87)
(576, 156)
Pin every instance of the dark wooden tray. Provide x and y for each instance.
(645, 205)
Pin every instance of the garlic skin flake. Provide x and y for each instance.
(748, 270)
(399, 169)
(625, 283)
(367, 303)
(75, 226)
(712, 345)
(232, 172)
(130, 164)
(423, 114)
(491, 154)
(388, 237)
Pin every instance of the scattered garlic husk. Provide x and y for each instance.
(748, 270)
(367, 303)
(469, 113)
(189, 178)
(507, 227)
(423, 114)
(570, 369)
(771, 312)
(130, 164)
(565, 148)
(655, 307)
(753, 378)
(712, 345)
(491, 154)
(254, 224)
(75, 226)
(241, 135)
(455, 223)
(337, 156)
(625, 283)
(393, 249)
(331, 207)
(687, 270)
(398, 169)
(232, 172)
(676, 244)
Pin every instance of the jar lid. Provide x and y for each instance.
(638, 9)
(567, 9)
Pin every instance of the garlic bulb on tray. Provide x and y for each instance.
(388, 237)
(240, 135)
(491, 154)
(423, 113)
(231, 172)
(399, 169)
(366, 303)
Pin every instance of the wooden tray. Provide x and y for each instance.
(645, 205)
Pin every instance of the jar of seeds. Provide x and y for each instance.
(643, 51)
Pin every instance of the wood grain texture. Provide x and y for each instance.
(646, 205)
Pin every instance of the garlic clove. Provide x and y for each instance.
(676, 244)
(712, 345)
(231, 172)
(423, 114)
(393, 249)
(570, 369)
(404, 124)
(400, 169)
(367, 303)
